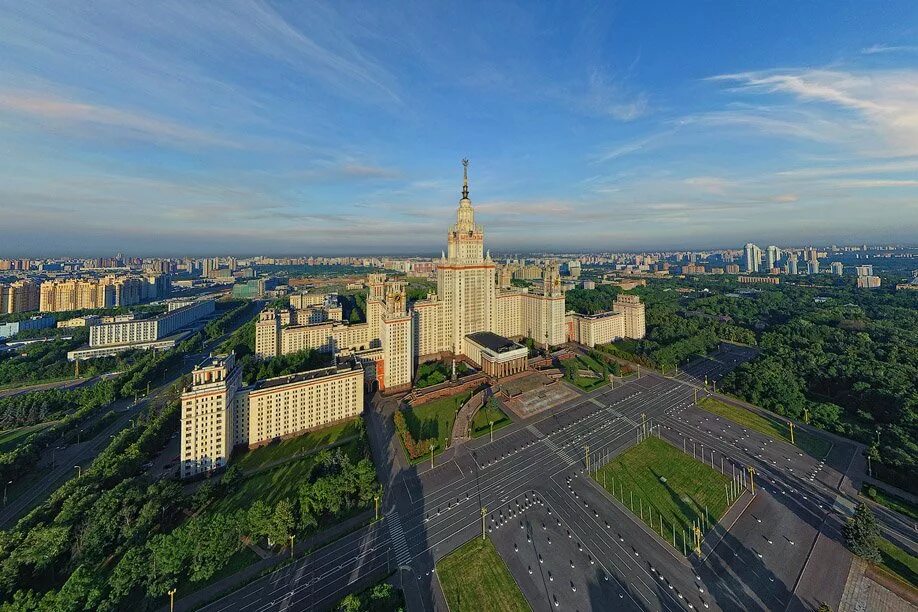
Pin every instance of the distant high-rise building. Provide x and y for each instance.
(812, 266)
(753, 257)
(772, 256)
(866, 270)
(868, 282)
(837, 268)
(791, 265)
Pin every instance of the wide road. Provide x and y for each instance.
(571, 546)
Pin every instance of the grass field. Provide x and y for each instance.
(278, 482)
(815, 446)
(588, 363)
(474, 578)
(293, 447)
(891, 501)
(12, 438)
(435, 419)
(480, 424)
(690, 487)
(899, 563)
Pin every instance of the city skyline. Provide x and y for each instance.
(286, 129)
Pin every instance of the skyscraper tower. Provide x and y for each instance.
(753, 257)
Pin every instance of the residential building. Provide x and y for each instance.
(19, 296)
(8, 330)
(868, 282)
(752, 257)
(767, 280)
(626, 320)
(220, 414)
(837, 268)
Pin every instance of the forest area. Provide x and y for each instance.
(844, 358)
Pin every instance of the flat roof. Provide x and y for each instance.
(341, 367)
(493, 342)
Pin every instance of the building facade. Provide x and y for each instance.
(626, 320)
(219, 413)
(147, 330)
(19, 296)
(396, 336)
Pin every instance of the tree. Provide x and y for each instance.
(282, 523)
(862, 534)
(259, 519)
(351, 603)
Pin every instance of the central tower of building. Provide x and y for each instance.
(465, 276)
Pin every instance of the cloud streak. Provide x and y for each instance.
(54, 110)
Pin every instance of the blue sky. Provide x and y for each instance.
(301, 128)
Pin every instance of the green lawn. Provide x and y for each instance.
(898, 562)
(435, 419)
(291, 448)
(480, 424)
(815, 446)
(588, 363)
(12, 438)
(474, 578)
(276, 483)
(891, 501)
(690, 487)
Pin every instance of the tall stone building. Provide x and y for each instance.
(468, 300)
(219, 413)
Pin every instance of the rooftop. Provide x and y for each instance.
(493, 342)
(268, 383)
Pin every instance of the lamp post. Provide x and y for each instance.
(586, 450)
(291, 537)
(791, 425)
(79, 470)
(171, 599)
(484, 512)
(491, 423)
(751, 481)
(4, 492)
(432, 448)
(376, 503)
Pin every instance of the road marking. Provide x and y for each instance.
(397, 535)
(561, 453)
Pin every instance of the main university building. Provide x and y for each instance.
(473, 316)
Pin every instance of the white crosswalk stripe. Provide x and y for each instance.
(397, 535)
(535, 431)
(557, 449)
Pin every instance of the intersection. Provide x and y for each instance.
(567, 542)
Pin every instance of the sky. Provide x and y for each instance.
(299, 128)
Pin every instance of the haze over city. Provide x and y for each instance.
(286, 128)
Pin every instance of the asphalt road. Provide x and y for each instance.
(532, 475)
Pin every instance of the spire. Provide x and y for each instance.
(465, 179)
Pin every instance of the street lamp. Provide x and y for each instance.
(791, 425)
(491, 423)
(484, 512)
(752, 473)
(171, 599)
(4, 492)
(79, 470)
(586, 450)
(432, 448)
(376, 503)
(291, 538)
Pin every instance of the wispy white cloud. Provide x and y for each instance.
(886, 100)
(50, 109)
(875, 49)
